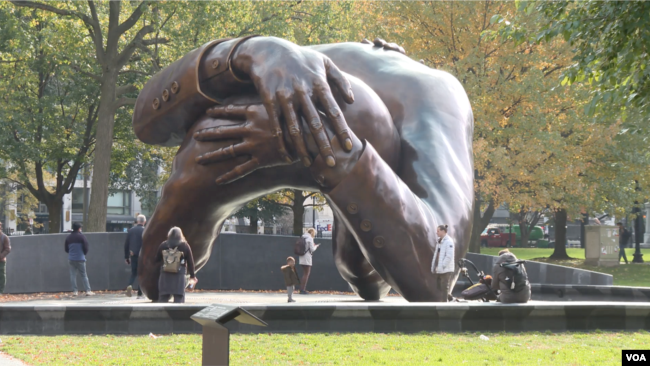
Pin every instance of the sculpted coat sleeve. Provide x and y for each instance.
(388, 220)
(174, 98)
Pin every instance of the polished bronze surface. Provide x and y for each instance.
(390, 146)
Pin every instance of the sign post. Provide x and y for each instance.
(216, 337)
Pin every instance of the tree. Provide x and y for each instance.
(48, 111)
(610, 41)
(295, 200)
(127, 39)
(264, 209)
(518, 115)
(107, 25)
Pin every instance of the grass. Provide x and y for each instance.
(598, 348)
(624, 275)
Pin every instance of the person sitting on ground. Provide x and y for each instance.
(177, 260)
(306, 259)
(511, 279)
(291, 278)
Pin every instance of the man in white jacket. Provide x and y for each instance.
(305, 260)
(443, 260)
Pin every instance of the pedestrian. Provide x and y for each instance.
(290, 277)
(76, 246)
(132, 247)
(623, 238)
(306, 259)
(176, 257)
(443, 260)
(510, 278)
(5, 249)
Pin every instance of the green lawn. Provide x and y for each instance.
(624, 275)
(598, 348)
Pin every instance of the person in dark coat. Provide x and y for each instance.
(132, 247)
(291, 278)
(623, 237)
(500, 278)
(174, 283)
(76, 246)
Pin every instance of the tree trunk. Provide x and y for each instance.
(479, 224)
(253, 222)
(54, 208)
(298, 211)
(560, 235)
(102, 159)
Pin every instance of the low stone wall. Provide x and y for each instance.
(38, 263)
(550, 274)
(349, 317)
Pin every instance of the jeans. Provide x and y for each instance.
(179, 299)
(306, 270)
(621, 253)
(3, 276)
(290, 291)
(77, 266)
(134, 272)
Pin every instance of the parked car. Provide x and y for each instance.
(535, 236)
(496, 237)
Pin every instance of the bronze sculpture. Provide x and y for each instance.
(385, 138)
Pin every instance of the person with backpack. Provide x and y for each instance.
(509, 276)
(623, 238)
(291, 278)
(443, 264)
(177, 260)
(304, 249)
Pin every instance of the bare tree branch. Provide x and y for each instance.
(132, 19)
(123, 89)
(134, 72)
(89, 74)
(124, 101)
(156, 41)
(124, 56)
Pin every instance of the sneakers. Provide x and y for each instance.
(291, 300)
(129, 291)
(304, 292)
(75, 293)
(89, 293)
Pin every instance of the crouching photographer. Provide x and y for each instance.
(509, 276)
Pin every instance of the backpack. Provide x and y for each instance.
(300, 248)
(171, 260)
(516, 278)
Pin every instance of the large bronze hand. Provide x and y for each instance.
(292, 81)
(259, 140)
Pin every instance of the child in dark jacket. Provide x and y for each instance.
(291, 278)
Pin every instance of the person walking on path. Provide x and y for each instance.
(5, 249)
(76, 246)
(290, 277)
(177, 259)
(623, 237)
(132, 247)
(443, 260)
(306, 259)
